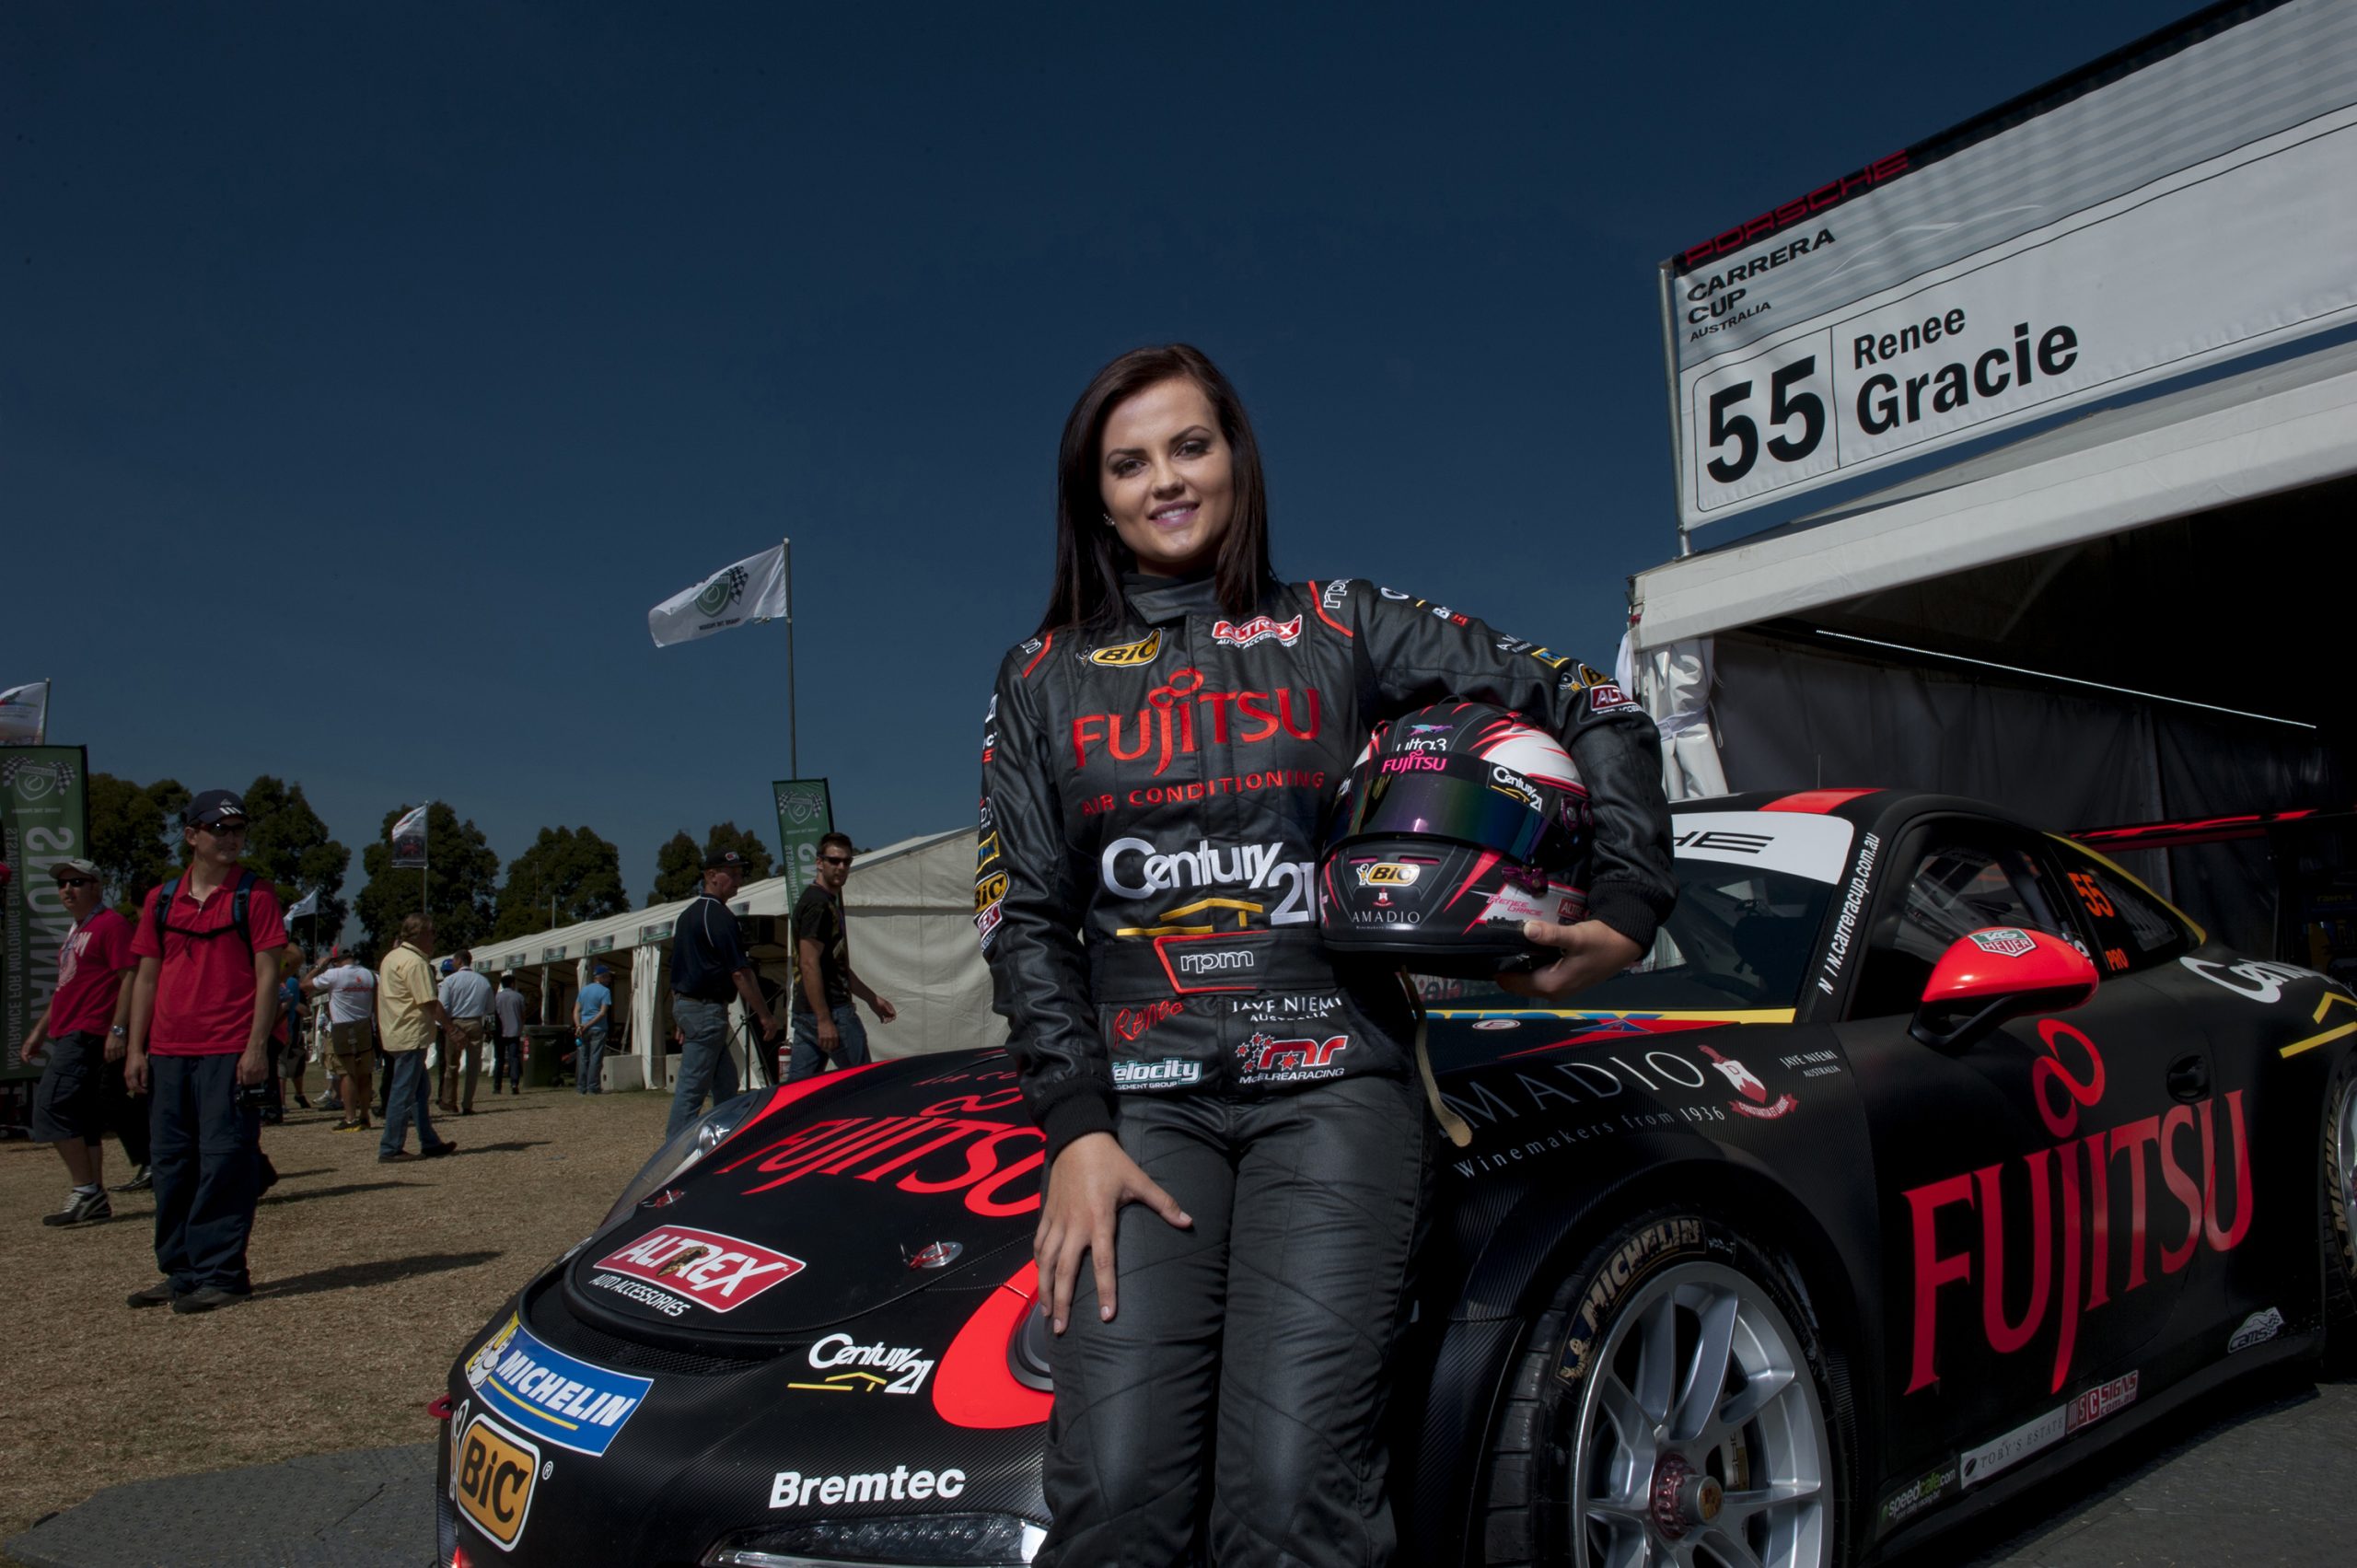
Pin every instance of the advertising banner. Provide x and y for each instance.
(24, 715)
(805, 815)
(43, 820)
(2135, 222)
(746, 594)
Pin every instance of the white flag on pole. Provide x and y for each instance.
(309, 904)
(23, 714)
(746, 594)
(409, 841)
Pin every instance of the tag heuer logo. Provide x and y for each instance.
(2006, 942)
(1143, 650)
(721, 592)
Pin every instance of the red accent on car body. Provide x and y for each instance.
(974, 1387)
(1815, 802)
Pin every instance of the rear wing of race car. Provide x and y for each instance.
(2186, 833)
(2309, 858)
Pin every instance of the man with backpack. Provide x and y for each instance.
(202, 1007)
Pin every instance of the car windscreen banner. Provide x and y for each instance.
(43, 820)
(2179, 204)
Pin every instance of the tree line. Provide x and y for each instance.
(565, 876)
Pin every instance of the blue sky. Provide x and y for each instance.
(369, 371)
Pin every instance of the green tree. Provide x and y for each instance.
(462, 875)
(135, 834)
(289, 845)
(580, 871)
(678, 870)
(678, 865)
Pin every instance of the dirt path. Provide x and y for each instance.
(367, 1279)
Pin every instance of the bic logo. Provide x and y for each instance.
(493, 1477)
(1143, 650)
(1387, 873)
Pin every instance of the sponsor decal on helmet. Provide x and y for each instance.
(1180, 712)
(721, 1272)
(792, 1489)
(1505, 780)
(1413, 762)
(2004, 941)
(1385, 873)
(1130, 654)
(1170, 1073)
(1260, 629)
(1512, 905)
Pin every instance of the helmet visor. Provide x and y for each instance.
(1445, 805)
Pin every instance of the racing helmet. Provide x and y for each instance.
(1458, 824)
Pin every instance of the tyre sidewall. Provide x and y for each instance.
(2337, 1228)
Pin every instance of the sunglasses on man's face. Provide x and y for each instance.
(835, 859)
(78, 882)
(223, 830)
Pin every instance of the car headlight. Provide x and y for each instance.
(677, 1156)
(948, 1541)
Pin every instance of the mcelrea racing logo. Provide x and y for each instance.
(793, 1489)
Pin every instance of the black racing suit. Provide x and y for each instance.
(1151, 811)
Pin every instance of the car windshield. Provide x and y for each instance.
(1740, 937)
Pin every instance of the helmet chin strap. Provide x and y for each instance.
(1460, 1130)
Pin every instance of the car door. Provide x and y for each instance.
(2015, 1269)
(2226, 1080)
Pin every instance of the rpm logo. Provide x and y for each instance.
(492, 1476)
(1130, 654)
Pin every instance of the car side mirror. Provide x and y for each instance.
(2002, 972)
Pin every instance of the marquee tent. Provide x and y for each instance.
(2131, 618)
(910, 909)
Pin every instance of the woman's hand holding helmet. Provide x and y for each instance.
(1093, 1177)
(1592, 951)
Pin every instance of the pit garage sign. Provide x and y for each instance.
(2181, 204)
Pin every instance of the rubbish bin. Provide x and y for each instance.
(544, 1046)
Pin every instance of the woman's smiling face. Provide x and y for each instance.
(1167, 477)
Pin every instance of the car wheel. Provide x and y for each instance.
(1670, 1406)
(2339, 1215)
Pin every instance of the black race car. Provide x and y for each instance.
(1922, 1154)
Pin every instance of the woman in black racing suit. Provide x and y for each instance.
(1237, 1134)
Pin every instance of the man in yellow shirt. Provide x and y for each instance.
(407, 1009)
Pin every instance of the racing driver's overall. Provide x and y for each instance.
(1153, 796)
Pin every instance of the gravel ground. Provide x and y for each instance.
(367, 1278)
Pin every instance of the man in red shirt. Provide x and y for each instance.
(76, 1101)
(202, 1007)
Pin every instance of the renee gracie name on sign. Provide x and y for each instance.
(2138, 225)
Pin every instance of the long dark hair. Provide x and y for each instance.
(1090, 556)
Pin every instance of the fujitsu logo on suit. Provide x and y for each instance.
(1179, 716)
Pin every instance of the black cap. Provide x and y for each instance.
(213, 807)
(726, 860)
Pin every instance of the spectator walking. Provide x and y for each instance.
(827, 1031)
(80, 1096)
(709, 962)
(206, 992)
(351, 992)
(296, 1062)
(407, 1011)
(593, 1014)
(466, 998)
(507, 1050)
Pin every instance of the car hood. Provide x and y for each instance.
(843, 1193)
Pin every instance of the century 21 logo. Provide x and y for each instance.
(493, 1474)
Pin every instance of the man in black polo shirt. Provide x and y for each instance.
(708, 964)
(827, 1031)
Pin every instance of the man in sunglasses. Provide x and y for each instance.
(80, 1096)
(708, 964)
(826, 1031)
(208, 944)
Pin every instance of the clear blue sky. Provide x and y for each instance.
(366, 372)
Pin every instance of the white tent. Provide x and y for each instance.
(2131, 617)
(909, 910)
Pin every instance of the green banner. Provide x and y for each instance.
(805, 815)
(43, 820)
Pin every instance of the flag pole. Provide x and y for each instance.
(793, 754)
(426, 863)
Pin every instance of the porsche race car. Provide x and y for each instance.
(1923, 1155)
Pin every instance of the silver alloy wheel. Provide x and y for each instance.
(1702, 1442)
(2345, 1131)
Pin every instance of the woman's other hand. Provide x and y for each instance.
(1592, 951)
(1092, 1178)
